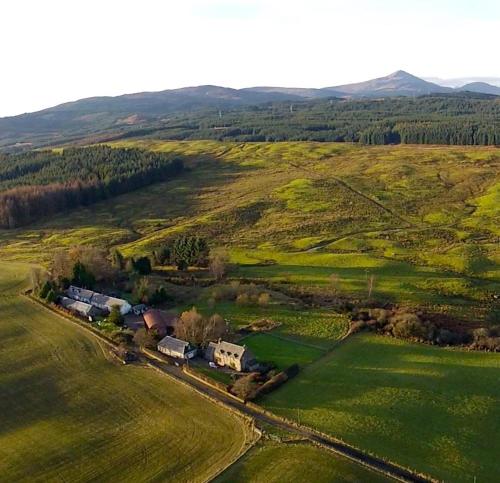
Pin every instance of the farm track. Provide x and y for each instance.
(62, 388)
(332, 444)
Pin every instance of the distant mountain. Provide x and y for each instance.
(103, 117)
(398, 83)
(461, 81)
(303, 92)
(480, 87)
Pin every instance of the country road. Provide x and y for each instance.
(372, 462)
(340, 448)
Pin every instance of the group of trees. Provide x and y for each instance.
(462, 118)
(200, 330)
(193, 251)
(37, 184)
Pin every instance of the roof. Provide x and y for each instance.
(173, 344)
(95, 298)
(158, 319)
(80, 292)
(100, 299)
(228, 348)
(76, 305)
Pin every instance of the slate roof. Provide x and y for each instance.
(77, 306)
(230, 349)
(173, 344)
(80, 292)
(95, 298)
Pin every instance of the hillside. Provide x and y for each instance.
(399, 83)
(262, 113)
(423, 220)
(69, 413)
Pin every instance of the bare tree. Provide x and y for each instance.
(334, 283)
(218, 263)
(37, 278)
(199, 330)
(61, 265)
(370, 285)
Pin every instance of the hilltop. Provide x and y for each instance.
(104, 118)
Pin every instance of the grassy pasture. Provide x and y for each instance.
(404, 213)
(430, 409)
(69, 413)
(282, 352)
(318, 327)
(295, 463)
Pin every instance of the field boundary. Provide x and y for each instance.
(249, 412)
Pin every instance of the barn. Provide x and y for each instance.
(177, 348)
(160, 321)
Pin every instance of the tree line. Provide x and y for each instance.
(458, 119)
(44, 183)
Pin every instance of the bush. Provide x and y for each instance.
(122, 337)
(51, 297)
(144, 339)
(264, 299)
(292, 371)
(245, 387)
(272, 384)
(44, 291)
(115, 317)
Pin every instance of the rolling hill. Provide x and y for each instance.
(105, 118)
(399, 83)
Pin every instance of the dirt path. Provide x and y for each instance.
(338, 447)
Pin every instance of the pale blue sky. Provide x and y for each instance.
(59, 50)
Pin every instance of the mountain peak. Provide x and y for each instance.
(400, 73)
(399, 83)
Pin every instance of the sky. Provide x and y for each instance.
(53, 51)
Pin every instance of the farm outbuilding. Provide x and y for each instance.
(101, 301)
(80, 308)
(177, 348)
(227, 354)
(162, 322)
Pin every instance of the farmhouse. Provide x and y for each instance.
(96, 299)
(177, 348)
(160, 321)
(80, 308)
(235, 356)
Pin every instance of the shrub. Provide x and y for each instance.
(243, 299)
(51, 297)
(115, 317)
(272, 384)
(144, 339)
(264, 299)
(44, 291)
(245, 387)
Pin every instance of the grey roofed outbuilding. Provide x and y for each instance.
(80, 293)
(173, 344)
(97, 299)
(176, 347)
(80, 307)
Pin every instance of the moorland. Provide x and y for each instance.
(319, 226)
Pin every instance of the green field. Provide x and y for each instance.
(295, 462)
(422, 219)
(69, 413)
(282, 352)
(427, 408)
